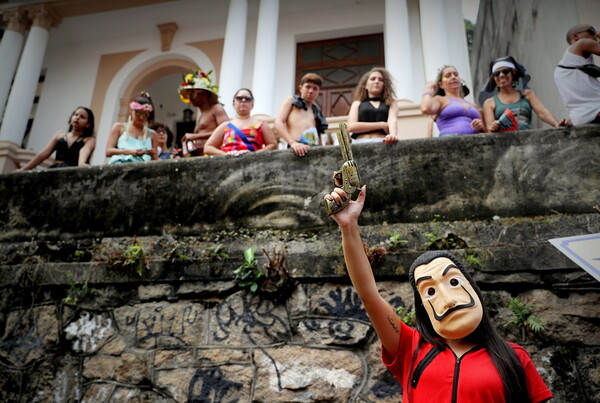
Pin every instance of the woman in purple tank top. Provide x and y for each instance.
(444, 100)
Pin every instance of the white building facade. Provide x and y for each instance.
(99, 54)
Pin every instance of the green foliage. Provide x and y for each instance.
(133, 258)
(395, 242)
(469, 33)
(216, 252)
(472, 260)
(248, 274)
(76, 291)
(407, 317)
(80, 256)
(436, 232)
(524, 318)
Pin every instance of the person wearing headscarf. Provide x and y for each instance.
(511, 103)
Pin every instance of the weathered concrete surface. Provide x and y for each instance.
(467, 177)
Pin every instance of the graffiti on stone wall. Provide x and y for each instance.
(28, 335)
(344, 304)
(172, 323)
(211, 385)
(254, 315)
(341, 304)
(387, 387)
(256, 318)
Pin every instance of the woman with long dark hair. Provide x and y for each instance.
(73, 147)
(454, 354)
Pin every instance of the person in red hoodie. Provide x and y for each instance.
(455, 354)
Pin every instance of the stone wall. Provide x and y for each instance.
(78, 325)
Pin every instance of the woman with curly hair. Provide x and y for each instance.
(373, 115)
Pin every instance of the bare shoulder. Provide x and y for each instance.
(119, 126)
(489, 103)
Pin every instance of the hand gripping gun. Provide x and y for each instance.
(349, 173)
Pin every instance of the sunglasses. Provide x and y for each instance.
(504, 71)
(590, 30)
(243, 98)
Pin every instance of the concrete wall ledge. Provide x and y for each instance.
(460, 178)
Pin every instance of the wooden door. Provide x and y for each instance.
(340, 62)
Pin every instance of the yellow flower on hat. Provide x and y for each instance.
(198, 80)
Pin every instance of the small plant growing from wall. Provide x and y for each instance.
(76, 291)
(437, 241)
(274, 282)
(524, 319)
(248, 274)
(133, 259)
(216, 252)
(277, 284)
(407, 317)
(395, 242)
(472, 260)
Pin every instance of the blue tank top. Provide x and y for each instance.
(127, 142)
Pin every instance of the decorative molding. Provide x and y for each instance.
(16, 19)
(167, 32)
(43, 16)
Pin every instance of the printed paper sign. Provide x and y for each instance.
(583, 250)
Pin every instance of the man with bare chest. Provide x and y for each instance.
(198, 90)
(300, 122)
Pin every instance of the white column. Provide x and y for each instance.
(10, 50)
(232, 63)
(265, 57)
(457, 42)
(26, 80)
(433, 36)
(398, 47)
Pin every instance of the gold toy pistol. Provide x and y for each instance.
(349, 173)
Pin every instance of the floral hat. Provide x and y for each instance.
(198, 80)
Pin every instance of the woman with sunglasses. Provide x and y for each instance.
(134, 141)
(510, 109)
(444, 99)
(244, 133)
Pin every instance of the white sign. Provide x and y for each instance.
(583, 250)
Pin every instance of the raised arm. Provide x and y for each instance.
(584, 46)
(430, 104)
(382, 315)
